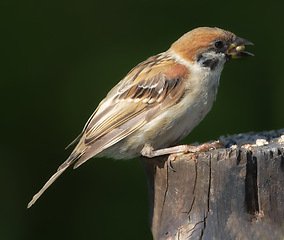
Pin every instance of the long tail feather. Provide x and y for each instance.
(73, 157)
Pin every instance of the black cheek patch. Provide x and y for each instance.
(211, 63)
(199, 57)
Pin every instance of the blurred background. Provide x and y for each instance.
(58, 61)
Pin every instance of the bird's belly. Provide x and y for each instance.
(163, 131)
(175, 129)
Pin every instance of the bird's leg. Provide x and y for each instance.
(148, 150)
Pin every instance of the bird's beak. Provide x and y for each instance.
(236, 50)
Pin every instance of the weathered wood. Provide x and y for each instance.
(228, 193)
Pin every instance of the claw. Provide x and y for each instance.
(169, 162)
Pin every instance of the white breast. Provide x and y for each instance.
(201, 93)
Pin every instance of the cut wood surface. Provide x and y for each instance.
(235, 192)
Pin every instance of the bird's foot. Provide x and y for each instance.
(148, 151)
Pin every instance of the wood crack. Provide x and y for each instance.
(251, 186)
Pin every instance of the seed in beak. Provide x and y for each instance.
(240, 48)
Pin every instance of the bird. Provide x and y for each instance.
(158, 102)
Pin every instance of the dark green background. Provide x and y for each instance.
(60, 58)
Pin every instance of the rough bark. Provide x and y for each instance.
(235, 192)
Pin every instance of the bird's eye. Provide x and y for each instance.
(219, 44)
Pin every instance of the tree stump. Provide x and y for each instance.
(236, 192)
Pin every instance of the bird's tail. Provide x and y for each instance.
(73, 157)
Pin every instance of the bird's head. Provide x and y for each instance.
(210, 47)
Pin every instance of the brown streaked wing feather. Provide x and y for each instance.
(113, 118)
(145, 92)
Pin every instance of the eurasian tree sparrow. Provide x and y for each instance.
(158, 102)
